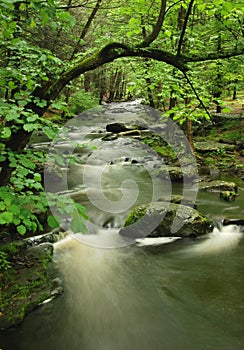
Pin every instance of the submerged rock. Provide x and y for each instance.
(228, 196)
(163, 219)
(217, 186)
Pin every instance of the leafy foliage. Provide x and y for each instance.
(81, 101)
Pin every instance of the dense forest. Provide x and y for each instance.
(59, 58)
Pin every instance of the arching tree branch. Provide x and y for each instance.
(105, 55)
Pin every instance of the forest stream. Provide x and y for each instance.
(186, 294)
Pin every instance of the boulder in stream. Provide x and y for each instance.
(119, 127)
(164, 219)
(218, 186)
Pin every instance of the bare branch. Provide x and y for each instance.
(86, 28)
(214, 56)
(196, 94)
(156, 30)
(182, 35)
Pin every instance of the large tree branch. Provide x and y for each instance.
(105, 55)
(156, 29)
(113, 51)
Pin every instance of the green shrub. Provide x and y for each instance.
(81, 101)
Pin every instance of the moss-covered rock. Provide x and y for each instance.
(178, 199)
(212, 146)
(228, 196)
(217, 186)
(25, 282)
(163, 219)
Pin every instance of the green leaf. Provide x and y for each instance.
(15, 209)
(6, 218)
(12, 115)
(226, 110)
(81, 210)
(37, 177)
(32, 118)
(49, 132)
(52, 222)
(6, 133)
(77, 225)
(2, 206)
(31, 127)
(27, 223)
(21, 229)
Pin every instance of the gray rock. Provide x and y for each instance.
(40, 250)
(123, 127)
(176, 174)
(178, 199)
(134, 132)
(217, 186)
(161, 219)
(212, 146)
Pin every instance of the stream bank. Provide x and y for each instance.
(28, 279)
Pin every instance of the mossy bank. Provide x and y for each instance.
(27, 280)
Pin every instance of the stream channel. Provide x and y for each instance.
(118, 296)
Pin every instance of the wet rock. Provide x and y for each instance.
(161, 219)
(57, 287)
(109, 137)
(239, 222)
(50, 237)
(212, 146)
(130, 133)
(227, 196)
(28, 282)
(217, 186)
(123, 127)
(178, 199)
(40, 250)
(176, 174)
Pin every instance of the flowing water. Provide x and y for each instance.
(168, 297)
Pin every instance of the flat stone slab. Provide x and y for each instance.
(212, 146)
(218, 186)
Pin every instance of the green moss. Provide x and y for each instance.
(136, 214)
(159, 146)
(24, 286)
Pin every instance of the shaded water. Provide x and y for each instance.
(169, 297)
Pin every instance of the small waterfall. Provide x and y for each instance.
(110, 307)
(222, 239)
